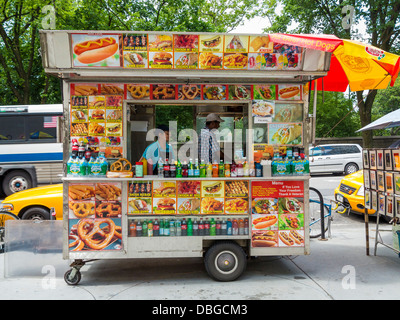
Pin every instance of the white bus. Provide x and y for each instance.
(29, 151)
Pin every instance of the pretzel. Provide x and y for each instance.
(93, 235)
(108, 210)
(165, 92)
(138, 92)
(82, 209)
(190, 92)
(77, 243)
(121, 164)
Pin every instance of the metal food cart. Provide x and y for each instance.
(109, 106)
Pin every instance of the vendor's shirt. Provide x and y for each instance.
(154, 152)
(208, 145)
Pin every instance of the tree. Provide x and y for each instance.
(382, 22)
(22, 79)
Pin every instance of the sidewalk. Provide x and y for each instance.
(336, 269)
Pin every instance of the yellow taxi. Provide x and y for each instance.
(36, 203)
(350, 193)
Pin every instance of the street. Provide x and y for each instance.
(336, 269)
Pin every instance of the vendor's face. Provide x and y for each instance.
(164, 136)
(214, 125)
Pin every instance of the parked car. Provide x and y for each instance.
(36, 203)
(335, 158)
(350, 193)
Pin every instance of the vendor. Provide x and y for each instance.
(160, 148)
(209, 149)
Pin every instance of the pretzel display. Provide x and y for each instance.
(190, 91)
(121, 164)
(85, 90)
(108, 210)
(111, 89)
(164, 93)
(95, 237)
(82, 209)
(138, 92)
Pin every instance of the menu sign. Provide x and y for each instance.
(95, 212)
(277, 214)
(183, 51)
(188, 197)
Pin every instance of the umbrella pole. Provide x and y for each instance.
(314, 120)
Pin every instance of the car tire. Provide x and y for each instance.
(36, 213)
(15, 181)
(350, 168)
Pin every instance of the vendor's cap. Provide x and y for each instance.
(214, 117)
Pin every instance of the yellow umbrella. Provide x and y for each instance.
(366, 67)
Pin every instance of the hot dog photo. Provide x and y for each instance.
(289, 92)
(264, 221)
(95, 50)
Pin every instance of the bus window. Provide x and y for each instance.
(42, 127)
(12, 129)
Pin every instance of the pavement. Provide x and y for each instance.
(336, 269)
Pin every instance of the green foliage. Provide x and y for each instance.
(22, 78)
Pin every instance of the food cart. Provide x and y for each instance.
(113, 82)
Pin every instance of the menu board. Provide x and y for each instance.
(188, 197)
(277, 214)
(166, 50)
(95, 216)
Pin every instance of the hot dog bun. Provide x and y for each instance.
(286, 239)
(261, 223)
(264, 239)
(95, 50)
(289, 92)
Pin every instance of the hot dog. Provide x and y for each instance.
(264, 222)
(264, 239)
(286, 239)
(296, 236)
(93, 51)
(289, 92)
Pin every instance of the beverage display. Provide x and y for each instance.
(191, 227)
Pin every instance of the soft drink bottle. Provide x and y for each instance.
(150, 229)
(178, 227)
(172, 229)
(190, 227)
(144, 226)
(195, 227)
(213, 230)
(206, 227)
(156, 228)
(139, 229)
(184, 227)
(201, 227)
(229, 227)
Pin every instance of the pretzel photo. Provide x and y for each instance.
(164, 93)
(190, 91)
(108, 210)
(120, 165)
(95, 237)
(82, 209)
(138, 92)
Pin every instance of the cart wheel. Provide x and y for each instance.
(75, 279)
(225, 261)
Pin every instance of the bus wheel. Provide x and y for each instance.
(15, 181)
(225, 261)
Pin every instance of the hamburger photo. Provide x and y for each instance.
(166, 204)
(162, 58)
(97, 114)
